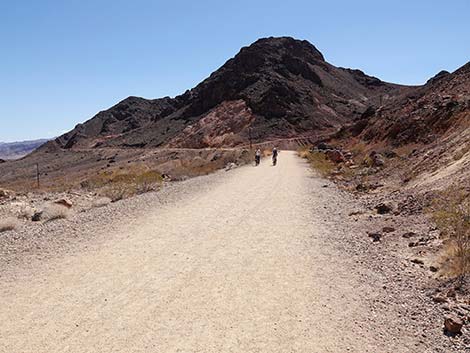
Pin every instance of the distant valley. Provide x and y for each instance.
(15, 150)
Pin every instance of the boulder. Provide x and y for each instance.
(453, 324)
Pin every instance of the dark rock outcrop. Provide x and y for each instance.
(283, 84)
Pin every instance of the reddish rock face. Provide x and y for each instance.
(224, 125)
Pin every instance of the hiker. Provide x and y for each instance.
(275, 154)
(257, 156)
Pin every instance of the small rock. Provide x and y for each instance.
(390, 154)
(439, 299)
(230, 166)
(322, 146)
(383, 208)
(433, 269)
(6, 193)
(408, 235)
(64, 202)
(417, 261)
(362, 187)
(355, 213)
(453, 324)
(377, 159)
(375, 236)
(37, 216)
(446, 307)
(388, 229)
(451, 293)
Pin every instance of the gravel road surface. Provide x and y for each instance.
(249, 260)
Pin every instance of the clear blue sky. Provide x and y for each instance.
(63, 61)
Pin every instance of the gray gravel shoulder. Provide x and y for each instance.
(35, 242)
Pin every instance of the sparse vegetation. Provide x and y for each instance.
(8, 223)
(319, 162)
(118, 185)
(101, 202)
(405, 151)
(52, 212)
(451, 213)
(359, 150)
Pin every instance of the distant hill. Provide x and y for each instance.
(274, 88)
(15, 150)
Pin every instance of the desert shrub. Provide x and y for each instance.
(147, 181)
(8, 223)
(406, 150)
(117, 191)
(451, 213)
(303, 152)
(359, 150)
(320, 162)
(54, 211)
(123, 184)
(101, 202)
(367, 162)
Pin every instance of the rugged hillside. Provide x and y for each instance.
(14, 150)
(439, 107)
(432, 123)
(279, 87)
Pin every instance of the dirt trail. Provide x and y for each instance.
(245, 267)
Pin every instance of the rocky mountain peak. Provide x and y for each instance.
(279, 87)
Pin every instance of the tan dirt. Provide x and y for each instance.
(244, 267)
